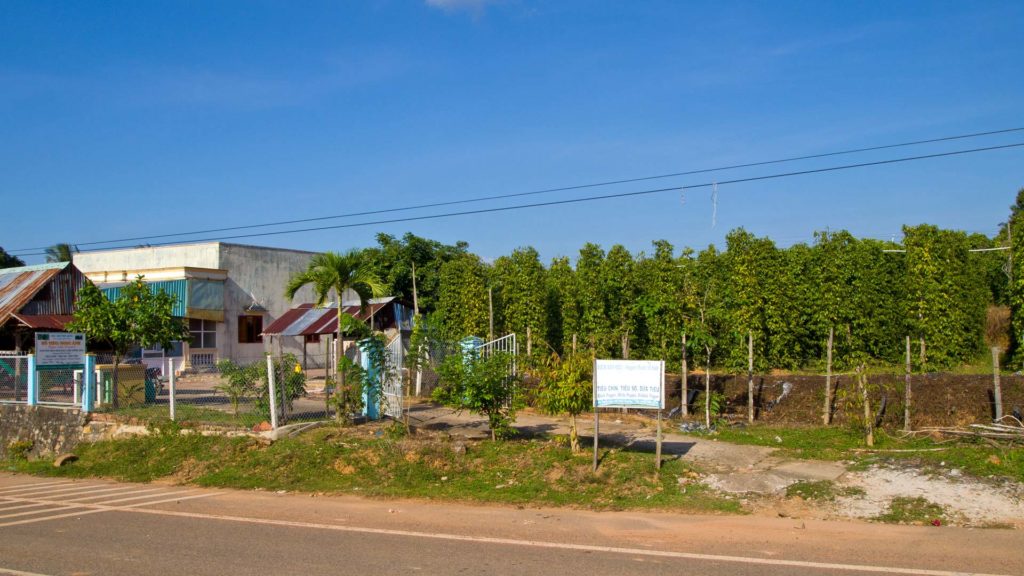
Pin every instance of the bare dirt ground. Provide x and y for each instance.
(759, 477)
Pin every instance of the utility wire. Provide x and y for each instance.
(589, 198)
(534, 192)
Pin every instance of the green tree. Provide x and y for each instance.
(710, 316)
(331, 271)
(520, 280)
(1015, 270)
(947, 300)
(484, 385)
(462, 299)
(61, 253)
(139, 317)
(620, 290)
(566, 387)
(8, 261)
(750, 264)
(661, 301)
(397, 261)
(593, 324)
(561, 305)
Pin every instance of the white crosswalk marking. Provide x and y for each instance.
(29, 503)
(30, 487)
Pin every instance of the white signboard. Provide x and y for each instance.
(629, 384)
(59, 350)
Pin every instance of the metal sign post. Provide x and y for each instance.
(629, 384)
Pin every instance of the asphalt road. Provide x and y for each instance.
(55, 527)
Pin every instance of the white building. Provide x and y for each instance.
(227, 292)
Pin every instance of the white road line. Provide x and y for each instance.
(115, 490)
(9, 508)
(33, 484)
(566, 546)
(97, 508)
(161, 494)
(69, 490)
(41, 511)
(31, 488)
(109, 502)
(76, 499)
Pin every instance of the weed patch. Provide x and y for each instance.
(904, 510)
(821, 490)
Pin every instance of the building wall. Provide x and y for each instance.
(253, 274)
(259, 274)
(196, 255)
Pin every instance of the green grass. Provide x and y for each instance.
(380, 462)
(846, 444)
(904, 510)
(820, 490)
(188, 415)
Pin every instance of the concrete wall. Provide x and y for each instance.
(260, 274)
(196, 255)
(52, 431)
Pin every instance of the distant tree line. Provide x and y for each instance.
(871, 294)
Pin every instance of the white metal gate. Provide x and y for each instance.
(391, 385)
(506, 344)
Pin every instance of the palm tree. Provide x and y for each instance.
(338, 272)
(61, 252)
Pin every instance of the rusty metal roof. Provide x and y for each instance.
(305, 319)
(43, 321)
(19, 285)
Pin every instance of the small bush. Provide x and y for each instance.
(19, 449)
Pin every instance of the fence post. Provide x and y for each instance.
(684, 391)
(88, 388)
(272, 391)
(907, 391)
(170, 388)
(32, 382)
(826, 415)
(750, 377)
(997, 389)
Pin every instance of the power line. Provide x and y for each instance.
(589, 198)
(535, 192)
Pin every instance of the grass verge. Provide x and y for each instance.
(381, 461)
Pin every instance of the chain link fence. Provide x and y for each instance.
(13, 378)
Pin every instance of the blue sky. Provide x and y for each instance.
(125, 119)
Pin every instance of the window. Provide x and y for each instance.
(204, 333)
(250, 329)
(312, 338)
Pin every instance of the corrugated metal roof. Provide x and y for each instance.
(19, 285)
(43, 321)
(307, 320)
(176, 288)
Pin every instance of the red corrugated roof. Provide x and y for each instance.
(43, 321)
(286, 319)
(305, 320)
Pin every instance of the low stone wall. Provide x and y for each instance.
(50, 430)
